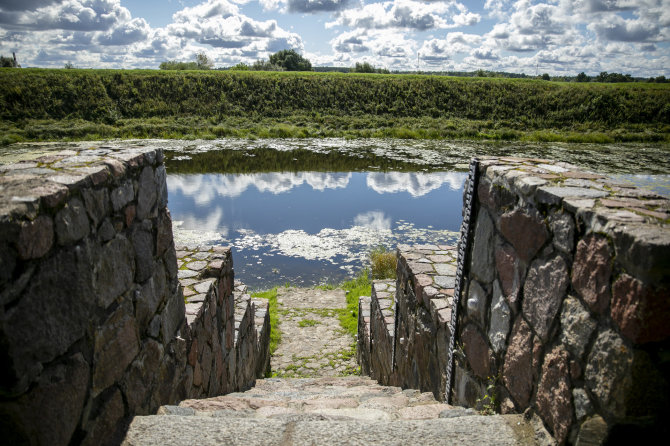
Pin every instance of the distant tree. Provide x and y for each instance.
(661, 80)
(203, 61)
(290, 60)
(545, 77)
(9, 62)
(68, 65)
(481, 73)
(240, 67)
(582, 77)
(365, 67)
(265, 65)
(604, 76)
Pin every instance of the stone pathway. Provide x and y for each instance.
(333, 411)
(313, 343)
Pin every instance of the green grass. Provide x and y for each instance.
(355, 288)
(307, 323)
(275, 332)
(43, 104)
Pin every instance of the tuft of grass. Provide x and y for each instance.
(383, 263)
(275, 332)
(308, 323)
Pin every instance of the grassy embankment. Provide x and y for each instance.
(41, 104)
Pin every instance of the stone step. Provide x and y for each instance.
(349, 410)
(317, 429)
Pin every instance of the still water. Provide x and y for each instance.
(313, 227)
(308, 211)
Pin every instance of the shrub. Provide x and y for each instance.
(383, 263)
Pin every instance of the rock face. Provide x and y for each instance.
(94, 327)
(581, 275)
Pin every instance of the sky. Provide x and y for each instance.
(559, 37)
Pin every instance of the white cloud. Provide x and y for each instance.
(416, 184)
(406, 14)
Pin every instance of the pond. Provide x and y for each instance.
(307, 212)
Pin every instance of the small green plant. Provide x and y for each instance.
(275, 333)
(488, 403)
(360, 286)
(383, 262)
(308, 323)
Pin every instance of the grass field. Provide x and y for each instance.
(43, 104)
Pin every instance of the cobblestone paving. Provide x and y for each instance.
(313, 343)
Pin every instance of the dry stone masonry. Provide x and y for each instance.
(564, 309)
(93, 323)
(406, 335)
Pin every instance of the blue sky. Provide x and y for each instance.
(529, 36)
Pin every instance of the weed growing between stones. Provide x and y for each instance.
(275, 332)
(308, 323)
(488, 403)
(360, 286)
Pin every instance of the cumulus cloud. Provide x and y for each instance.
(76, 15)
(415, 184)
(316, 5)
(406, 14)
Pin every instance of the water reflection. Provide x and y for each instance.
(310, 227)
(416, 184)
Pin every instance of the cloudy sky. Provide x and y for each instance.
(529, 36)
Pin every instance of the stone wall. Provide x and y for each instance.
(93, 325)
(404, 340)
(564, 310)
(567, 301)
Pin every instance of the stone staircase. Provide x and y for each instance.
(333, 411)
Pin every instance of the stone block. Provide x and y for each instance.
(160, 179)
(582, 402)
(481, 264)
(31, 337)
(500, 320)
(71, 222)
(172, 317)
(591, 271)
(563, 228)
(476, 351)
(576, 326)
(146, 193)
(122, 195)
(116, 345)
(59, 393)
(641, 311)
(554, 398)
(608, 372)
(107, 428)
(592, 432)
(642, 250)
(35, 238)
(150, 296)
(525, 230)
(114, 270)
(544, 290)
(143, 245)
(164, 238)
(509, 273)
(477, 303)
(97, 204)
(518, 366)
